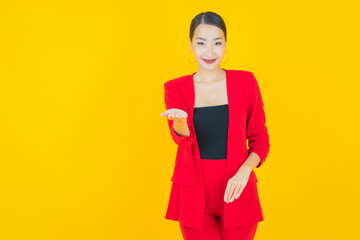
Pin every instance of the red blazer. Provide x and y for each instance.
(246, 121)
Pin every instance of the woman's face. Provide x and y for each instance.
(208, 44)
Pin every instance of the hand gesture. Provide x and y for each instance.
(175, 114)
(236, 184)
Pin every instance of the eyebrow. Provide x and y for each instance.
(205, 38)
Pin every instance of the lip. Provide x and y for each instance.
(209, 61)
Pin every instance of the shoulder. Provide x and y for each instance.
(177, 83)
(176, 80)
(243, 77)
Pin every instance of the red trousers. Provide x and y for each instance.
(214, 177)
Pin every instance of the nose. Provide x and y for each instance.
(209, 51)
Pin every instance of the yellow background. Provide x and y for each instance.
(85, 155)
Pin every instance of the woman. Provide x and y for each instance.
(211, 114)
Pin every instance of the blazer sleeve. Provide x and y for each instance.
(256, 131)
(172, 100)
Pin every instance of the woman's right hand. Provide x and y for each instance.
(175, 114)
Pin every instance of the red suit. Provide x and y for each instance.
(246, 122)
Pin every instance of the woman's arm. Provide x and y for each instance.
(182, 135)
(251, 162)
(181, 128)
(256, 131)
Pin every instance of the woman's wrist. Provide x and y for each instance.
(181, 127)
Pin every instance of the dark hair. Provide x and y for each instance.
(210, 18)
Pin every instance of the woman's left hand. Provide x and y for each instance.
(236, 184)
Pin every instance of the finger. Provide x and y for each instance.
(231, 192)
(226, 191)
(163, 114)
(236, 191)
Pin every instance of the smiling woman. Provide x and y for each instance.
(211, 114)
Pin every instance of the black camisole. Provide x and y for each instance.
(211, 128)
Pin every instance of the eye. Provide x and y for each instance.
(200, 43)
(219, 42)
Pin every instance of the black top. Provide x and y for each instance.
(211, 128)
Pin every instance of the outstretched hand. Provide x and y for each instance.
(174, 114)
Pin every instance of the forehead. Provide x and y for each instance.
(208, 32)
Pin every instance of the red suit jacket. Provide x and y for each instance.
(246, 122)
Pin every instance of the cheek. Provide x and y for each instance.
(220, 52)
(199, 51)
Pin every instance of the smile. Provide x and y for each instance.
(209, 61)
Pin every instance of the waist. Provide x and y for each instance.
(207, 159)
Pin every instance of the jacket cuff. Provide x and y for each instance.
(260, 154)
